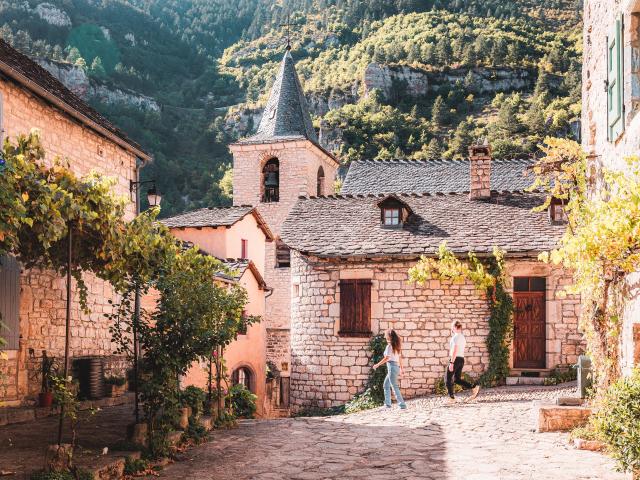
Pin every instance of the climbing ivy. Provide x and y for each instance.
(489, 277)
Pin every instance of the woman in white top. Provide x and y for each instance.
(393, 359)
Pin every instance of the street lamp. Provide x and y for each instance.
(154, 198)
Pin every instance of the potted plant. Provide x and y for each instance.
(47, 373)
(115, 386)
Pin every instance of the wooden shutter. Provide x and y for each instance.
(355, 307)
(615, 81)
(10, 301)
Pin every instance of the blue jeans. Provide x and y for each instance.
(393, 369)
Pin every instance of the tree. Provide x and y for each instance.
(439, 114)
(434, 149)
(462, 139)
(97, 69)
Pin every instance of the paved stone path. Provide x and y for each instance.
(491, 439)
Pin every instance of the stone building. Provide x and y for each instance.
(610, 115)
(338, 265)
(238, 236)
(282, 161)
(32, 302)
(350, 262)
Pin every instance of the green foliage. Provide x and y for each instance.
(135, 465)
(193, 397)
(617, 421)
(562, 375)
(489, 277)
(195, 432)
(600, 245)
(373, 395)
(243, 402)
(78, 474)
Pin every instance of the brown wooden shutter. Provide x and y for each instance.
(10, 301)
(355, 307)
(348, 303)
(363, 320)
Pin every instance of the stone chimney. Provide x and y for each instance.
(480, 170)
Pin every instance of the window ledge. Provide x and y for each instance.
(355, 334)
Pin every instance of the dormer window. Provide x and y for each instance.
(393, 212)
(391, 217)
(557, 212)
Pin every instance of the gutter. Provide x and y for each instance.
(43, 93)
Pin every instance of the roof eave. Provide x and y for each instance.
(46, 95)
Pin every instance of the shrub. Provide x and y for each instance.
(193, 397)
(441, 387)
(135, 465)
(320, 411)
(243, 401)
(561, 375)
(195, 432)
(362, 401)
(80, 474)
(618, 421)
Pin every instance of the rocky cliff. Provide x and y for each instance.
(76, 79)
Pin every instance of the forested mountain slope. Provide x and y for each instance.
(403, 78)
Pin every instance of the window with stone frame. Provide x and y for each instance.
(243, 376)
(271, 181)
(320, 182)
(557, 212)
(355, 308)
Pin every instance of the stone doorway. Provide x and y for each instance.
(529, 340)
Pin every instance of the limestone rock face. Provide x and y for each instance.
(77, 80)
(386, 78)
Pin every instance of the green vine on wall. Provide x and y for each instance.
(489, 277)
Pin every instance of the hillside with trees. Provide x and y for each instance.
(454, 70)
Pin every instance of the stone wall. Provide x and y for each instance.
(298, 166)
(278, 349)
(328, 369)
(42, 297)
(599, 18)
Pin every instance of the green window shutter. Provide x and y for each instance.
(615, 82)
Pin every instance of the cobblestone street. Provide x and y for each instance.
(493, 438)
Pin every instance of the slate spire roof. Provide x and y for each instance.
(286, 116)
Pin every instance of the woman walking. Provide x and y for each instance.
(393, 359)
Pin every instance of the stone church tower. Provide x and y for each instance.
(271, 169)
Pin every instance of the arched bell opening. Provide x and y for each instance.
(271, 181)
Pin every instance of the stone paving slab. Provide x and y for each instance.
(492, 438)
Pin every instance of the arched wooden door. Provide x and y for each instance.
(530, 325)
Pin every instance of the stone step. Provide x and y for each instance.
(530, 372)
(525, 381)
(552, 418)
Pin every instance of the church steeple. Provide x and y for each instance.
(286, 116)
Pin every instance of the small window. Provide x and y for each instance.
(242, 376)
(529, 284)
(391, 217)
(320, 182)
(244, 249)
(355, 308)
(283, 255)
(557, 212)
(271, 181)
(242, 329)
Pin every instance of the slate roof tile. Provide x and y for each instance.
(286, 116)
(209, 217)
(431, 176)
(350, 226)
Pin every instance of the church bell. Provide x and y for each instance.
(272, 180)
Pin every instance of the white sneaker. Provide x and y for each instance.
(451, 401)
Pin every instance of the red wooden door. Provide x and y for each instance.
(529, 330)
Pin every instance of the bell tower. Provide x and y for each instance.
(271, 169)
